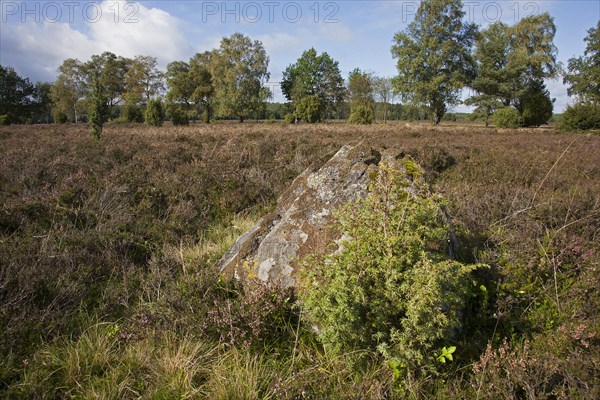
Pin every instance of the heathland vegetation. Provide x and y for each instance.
(108, 287)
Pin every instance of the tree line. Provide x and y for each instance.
(437, 56)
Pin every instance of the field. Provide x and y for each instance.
(106, 251)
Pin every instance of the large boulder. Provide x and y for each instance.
(303, 222)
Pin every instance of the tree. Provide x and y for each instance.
(42, 100)
(512, 63)
(360, 92)
(492, 81)
(583, 74)
(535, 105)
(109, 71)
(202, 80)
(312, 75)
(98, 111)
(239, 72)
(68, 90)
(434, 56)
(16, 95)
(143, 80)
(532, 53)
(383, 89)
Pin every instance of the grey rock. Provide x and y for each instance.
(303, 222)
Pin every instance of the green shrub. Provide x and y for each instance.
(60, 117)
(178, 116)
(4, 120)
(133, 113)
(309, 110)
(391, 287)
(289, 118)
(506, 118)
(580, 117)
(361, 115)
(154, 113)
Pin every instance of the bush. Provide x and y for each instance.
(506, 118)
(580, 117)
(154, 113)
(361, 115)
(390, 287)
(308, 109)
(178, 116)
(289, 118)
(133, 113)
(4, 120)
(60, 117)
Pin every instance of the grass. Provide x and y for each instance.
(106, 250)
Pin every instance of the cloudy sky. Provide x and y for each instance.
(36, 36)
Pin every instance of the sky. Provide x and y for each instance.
(36, 36)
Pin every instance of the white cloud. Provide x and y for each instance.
(558, 91)
(151, 31)
(37, 50)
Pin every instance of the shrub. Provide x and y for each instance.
(361, 114)
(506, 118)
(98, 110)
(60, 117)
(390, 287)
(290, 118)
(178, 116)
(133, 113)
(4, 120)
(580, 117)
(154, 113)
(308, 109)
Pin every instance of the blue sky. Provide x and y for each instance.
(36, 36)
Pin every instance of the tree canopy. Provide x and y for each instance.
(314, 75)
(583, 73)
(434, 56)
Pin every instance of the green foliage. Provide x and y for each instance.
(492, 80)
(314, 75)
(445, 354)
(154, 115)
(143, 80)
(98, 111)
(60, 117)
(580, 117)
(133, 113)
(390, 287)
(4, 120)
(289, 118)
(239, 70)
(434, 56)
(583, 73)
(16, 96)
(535, 105)
(506, 118)
(361, 114)
(309, 109)
(178, 116)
